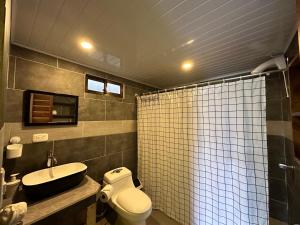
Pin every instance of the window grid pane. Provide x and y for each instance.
(94, 85)
(113, 88)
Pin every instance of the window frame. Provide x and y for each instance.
(114, 94)
(104, 81)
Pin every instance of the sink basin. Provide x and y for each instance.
(50, 181)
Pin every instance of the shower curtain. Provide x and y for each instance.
(202, 153)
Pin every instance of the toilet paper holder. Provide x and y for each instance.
(14, 149)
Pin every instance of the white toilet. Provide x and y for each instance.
(131, 204)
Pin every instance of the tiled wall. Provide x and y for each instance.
(2, 77)
(279, 143)
(105, 136)
(2, 21)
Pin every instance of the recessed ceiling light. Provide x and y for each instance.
(187, 66)
(190, 42)
(86, 45)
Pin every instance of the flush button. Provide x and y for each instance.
(117, 171)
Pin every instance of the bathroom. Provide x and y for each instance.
(157, 112)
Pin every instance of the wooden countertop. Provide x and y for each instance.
(56, 203)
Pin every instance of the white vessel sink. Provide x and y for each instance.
(53, 180)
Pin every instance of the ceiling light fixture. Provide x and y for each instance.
(190, 42)
(86, 45)
(187, 66)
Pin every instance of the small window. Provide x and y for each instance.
(94, 85)
(101, 86)
(113, 88)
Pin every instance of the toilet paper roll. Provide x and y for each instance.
(14, 151)
(106, 193)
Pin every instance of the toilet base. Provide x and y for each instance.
(122, 221)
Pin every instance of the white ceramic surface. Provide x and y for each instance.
(131, 204)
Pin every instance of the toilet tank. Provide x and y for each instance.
(118, 175)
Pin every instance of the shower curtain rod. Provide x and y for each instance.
(215, 81)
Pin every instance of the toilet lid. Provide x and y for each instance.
(134, 200)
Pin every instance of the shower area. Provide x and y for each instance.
(209, 153)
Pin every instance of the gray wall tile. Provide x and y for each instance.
(91, 109)
(31, 75)
(275, 87)
(130, 161)
(115, 160)
(32, 55)
(130, 93)
(97, 167)
(278, 210)
(11, 71)
(14, 105)
(276, 147)
(120, 111)
(274, 109)
(63, 64)
(289, 149)
(2, 75)
(294, 206)
(277, 190)
(121, 142)
(80, 149)
(286, 109)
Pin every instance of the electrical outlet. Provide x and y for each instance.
(39, 138)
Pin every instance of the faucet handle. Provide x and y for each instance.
(54, 160)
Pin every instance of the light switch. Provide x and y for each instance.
(39, 138)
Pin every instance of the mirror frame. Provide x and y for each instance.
(26, 109)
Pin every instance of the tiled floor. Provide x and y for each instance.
(159, 218)
(276, 222)
(156, 218)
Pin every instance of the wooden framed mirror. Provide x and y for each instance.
(46, 108)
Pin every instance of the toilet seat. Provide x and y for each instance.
(134, 201)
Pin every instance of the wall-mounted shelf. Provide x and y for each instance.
(46, 108)
(63, 116)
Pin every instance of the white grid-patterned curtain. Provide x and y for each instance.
(202, 153)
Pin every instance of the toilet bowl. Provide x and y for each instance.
(131, 204)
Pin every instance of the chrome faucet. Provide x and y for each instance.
(52, 161)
